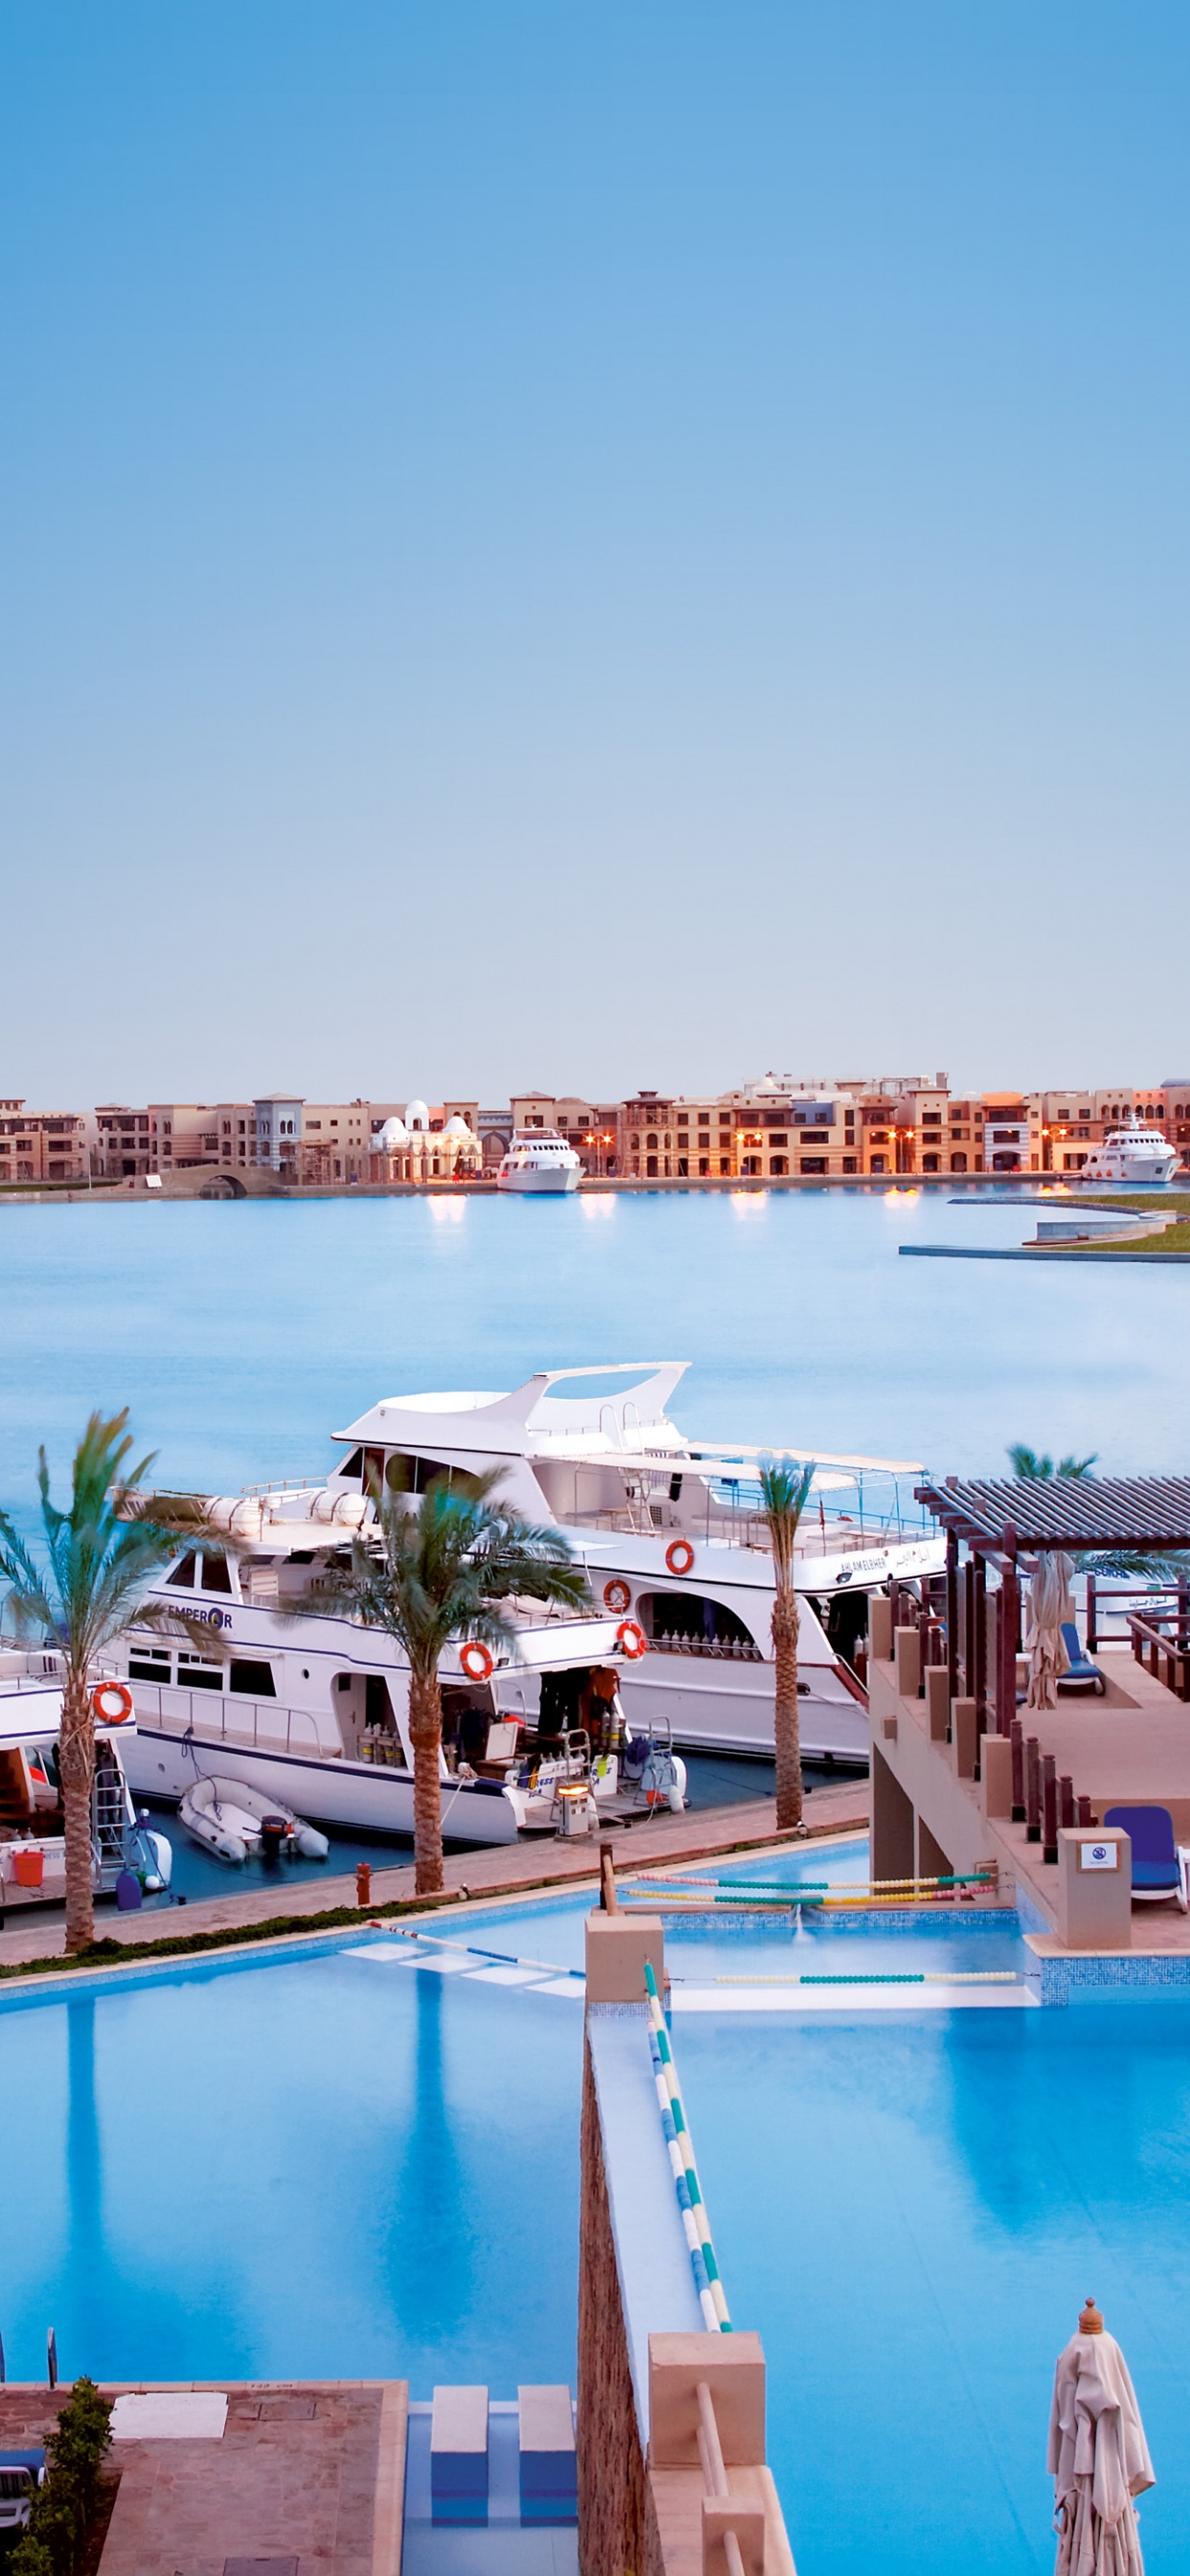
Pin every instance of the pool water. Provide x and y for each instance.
(315, 2168)
(912, 2212)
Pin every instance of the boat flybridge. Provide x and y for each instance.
(670, 1532)
(32, 1830)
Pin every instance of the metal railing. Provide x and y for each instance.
(262, 1724)
(1164, 1653)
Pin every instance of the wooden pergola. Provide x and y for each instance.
(1003, 1519)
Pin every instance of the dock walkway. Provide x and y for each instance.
(510, 1869)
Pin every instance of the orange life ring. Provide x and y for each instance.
(617, 1595)
(476, 1661)
(679, 1556)
(631, 1638)
(102, 1698)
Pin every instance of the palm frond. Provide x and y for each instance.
(784, 1492)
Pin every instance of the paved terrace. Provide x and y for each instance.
(305, 2476)
(509, 1869)
(1131, 1748)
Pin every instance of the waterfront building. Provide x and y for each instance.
(42, 1145)
(592, 1127)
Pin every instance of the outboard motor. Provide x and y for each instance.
(273, 1833)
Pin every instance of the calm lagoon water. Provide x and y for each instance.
(242, 1334)
(324, 2167)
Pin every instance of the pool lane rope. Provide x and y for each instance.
(707, 2281)
(890, 1977)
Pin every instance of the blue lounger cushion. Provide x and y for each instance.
(1158, 1867)
(1081, 1672)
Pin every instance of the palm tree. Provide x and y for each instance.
(440, 1572)
(784, 1492)
(1036, 1468)
(100, 1557)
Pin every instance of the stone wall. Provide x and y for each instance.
(617, 2526)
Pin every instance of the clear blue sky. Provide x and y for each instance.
(567, 544)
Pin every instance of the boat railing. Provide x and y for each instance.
(253, 1723)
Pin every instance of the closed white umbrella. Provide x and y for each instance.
(1049, 1605)
(1098, 2456)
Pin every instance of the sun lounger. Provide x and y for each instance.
(1080, 1673)
(1160, 1866)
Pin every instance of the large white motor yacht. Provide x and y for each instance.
(311, 1710)
(315, 1708)
(1132, 1153)
(539, 1159)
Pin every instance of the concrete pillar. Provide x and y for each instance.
(938, 1702)
(880, 1628)
(964, 1737)
(907, 1645)
(995, 1768)
(617, 1948)
(1094, 1888)
(893, 1854)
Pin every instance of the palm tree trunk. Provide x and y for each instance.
(425, 1735)
(76, 1762)
(786, 1722)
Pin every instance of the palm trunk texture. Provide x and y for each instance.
(76, 1759)
(425, 1735)
(786, 1722)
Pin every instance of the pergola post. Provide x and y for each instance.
(952, 1615)
(1006, 1635)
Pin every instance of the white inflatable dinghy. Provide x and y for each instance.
(239, 1823)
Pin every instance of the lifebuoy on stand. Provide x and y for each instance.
(617, 1595)
(632, 1641)
(679, 1556)
(476, 1661)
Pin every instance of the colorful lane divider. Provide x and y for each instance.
(471, 1950)
(695, 2225)
(891, 1977)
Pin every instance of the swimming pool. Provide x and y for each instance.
(911, 2212)
(340, 2162)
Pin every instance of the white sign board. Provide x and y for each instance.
(1099, 1855)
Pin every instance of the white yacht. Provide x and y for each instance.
(669, 1531)
(311, 1711)
(32, 1834)
(539, 1159)
(1132, 1153)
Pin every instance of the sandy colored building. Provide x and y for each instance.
(42, 1144)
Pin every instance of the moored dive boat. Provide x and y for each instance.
(678, 1651)
(32, 1827)
(239, 1823)
(312, 1712)
(670, 1533)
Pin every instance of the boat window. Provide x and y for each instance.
(354, 1467)
(183, 1574)
(690, 1614)
(193, 1674)
(255, 1680)
(149, 1664)
(407, 1475)
(215, 1575)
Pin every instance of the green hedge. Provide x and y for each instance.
(64, 2508)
